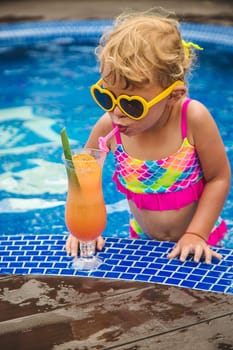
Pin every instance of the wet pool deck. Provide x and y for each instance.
(79, 313)
(40, 313)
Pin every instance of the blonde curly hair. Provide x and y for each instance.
(143, 48)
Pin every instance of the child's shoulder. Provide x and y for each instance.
(197, 112)
(199, 120)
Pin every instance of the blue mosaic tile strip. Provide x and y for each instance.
(89, 32)
(123, 259)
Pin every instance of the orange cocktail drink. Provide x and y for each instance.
(85, 213)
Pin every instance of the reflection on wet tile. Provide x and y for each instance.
(123, 259)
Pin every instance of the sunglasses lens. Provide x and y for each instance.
(132, 107)
(103, 99)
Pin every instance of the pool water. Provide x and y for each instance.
(44, 87)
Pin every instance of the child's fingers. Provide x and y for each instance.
(72, 246)
(174, 253)
(185, 251)
(100, 242)
(68, 245)
(198, 253)
(216, 255)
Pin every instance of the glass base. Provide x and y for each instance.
(87, 264)
(87, 260)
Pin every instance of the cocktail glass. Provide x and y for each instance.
(85, 213)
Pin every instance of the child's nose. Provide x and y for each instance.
(118, 113)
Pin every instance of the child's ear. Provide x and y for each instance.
(178, 92)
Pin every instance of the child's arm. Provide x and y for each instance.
(204, 134)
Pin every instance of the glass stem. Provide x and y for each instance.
(87, 249)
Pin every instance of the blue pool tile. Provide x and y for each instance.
(200, 272)
(111, 261)
(123, 259)
(112, 275)
(142, 278)
(7, 270)
(16, 264)
(125, 263)
(147, 259)
(188, 284)
(141, 253)
(229, 290)
(153, 244)
(120, 268)
(127, 251)
(29, 253)
(145, 248)
(176, 262)
(30, 264)
(219, 268)
(224, 281)
(37, 271)
(194, 277)
(173, 281)
(67, 272)
(6, 243)
(205, 266)
(150, 272)
(105, 267)
(214, 273)
(37, 258)
(164, 273)
(45, 264)
(127, 276)
(180, 276)
(131, 258)
(228, 276)
(23, 258)
(3, 266)
(60, 265)
(140, 264)
(157, 279)
(203, 286)
(21, 271)
(97, 273)
(211, 280)
(8, 258)
(218, 288)
(55, 258)
(118, 256)
(155, 266)
(51, 271)
(134, 270)
(190, 263)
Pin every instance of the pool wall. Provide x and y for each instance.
(89, 32)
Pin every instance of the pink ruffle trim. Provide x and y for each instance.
(163, 201)
(217, 234)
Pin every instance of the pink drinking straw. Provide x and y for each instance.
(103, 140)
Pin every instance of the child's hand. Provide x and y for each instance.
(72, 245)
(190, 244)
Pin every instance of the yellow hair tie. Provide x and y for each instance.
(187, 45)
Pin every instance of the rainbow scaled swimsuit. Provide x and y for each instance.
(169, 183)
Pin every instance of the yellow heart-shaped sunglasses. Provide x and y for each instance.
(134, 107)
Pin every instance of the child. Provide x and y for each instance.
(170, 159)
